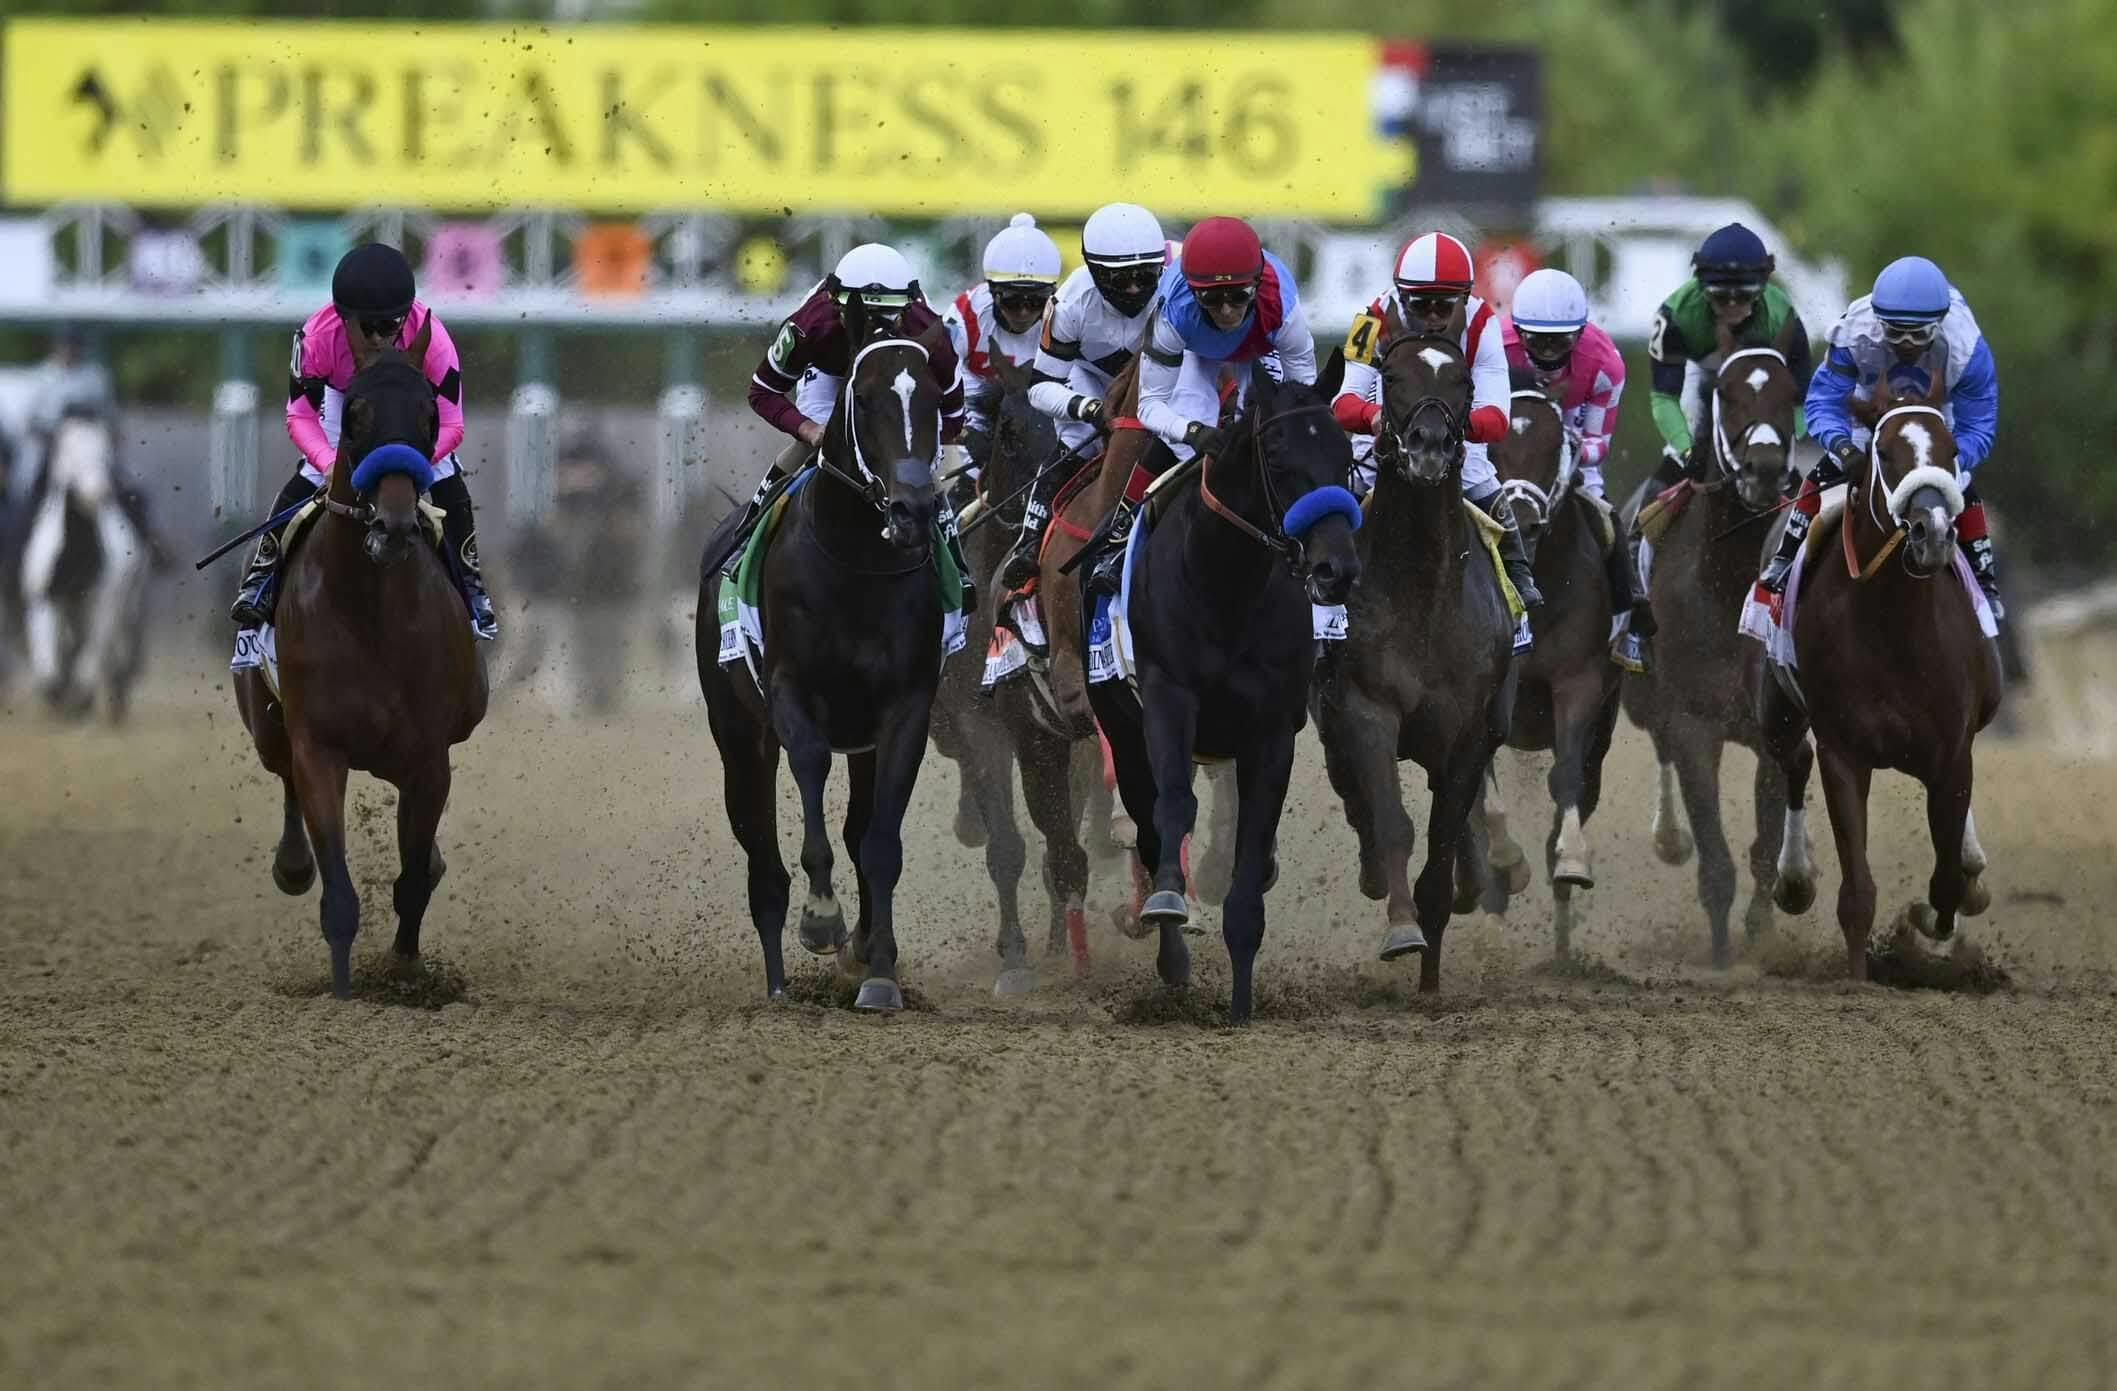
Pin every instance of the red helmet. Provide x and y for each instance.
(1434, 262)
(1222, 251)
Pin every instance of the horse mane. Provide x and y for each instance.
(1122, 395)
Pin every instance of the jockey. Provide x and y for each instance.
(1914, 325)
(1003, 314)
(1095, 326)
(373, 297)
(1730, 285)
(1228, 302)
(813, 351)
(1550, 341)
(1432, 286)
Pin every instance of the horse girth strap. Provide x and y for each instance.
(1853, 567)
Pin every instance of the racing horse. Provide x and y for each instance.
(1426, 669)
(1892, 670)
(988, 735)
(1218, 596)
(377, 668)
(851, 660)
(1567, 688)
(81, 578)
(1696, 699)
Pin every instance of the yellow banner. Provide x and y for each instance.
(916, 123)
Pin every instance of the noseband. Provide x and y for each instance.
(1276, 540)
(1525, 496)
(1455, 422)
(1895, 499)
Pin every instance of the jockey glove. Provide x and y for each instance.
(1085, 409)
(1206, 439)
(1847, 454)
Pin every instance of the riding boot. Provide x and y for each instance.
(459, 537)
(945, 515)
(1798, 518)
(1021, 564)
(1976, 545)
(1628, 647)
(1514, 555)
(258, 594)
(1108, 576)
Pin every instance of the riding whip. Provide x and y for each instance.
(260, 529)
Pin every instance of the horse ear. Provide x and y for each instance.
(1871, 410)
(1262, 382)
(421, 341)
(1332, 376)
(356, 341)
(1458, 322)
(1723, 339)
(855, 312)
(1784, 343)
(1937, 381)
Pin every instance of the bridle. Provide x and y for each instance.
(1895, 499)
(870, 485)
(1276, 540)
(1727, 455)
(1456, 422)
(1541, 505)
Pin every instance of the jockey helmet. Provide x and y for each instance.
(1125, 251)
(1022, 269)
(1734, 257)
(876, 275)
(373, 284)
(1911, 290)
(1222, 251)
(1434, 263)
(1550, 310)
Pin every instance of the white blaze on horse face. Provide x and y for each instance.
(1762, 434)
(1757, 378)
(904, 386)
(1434, 358)
(1519, 425)
(1921, 441)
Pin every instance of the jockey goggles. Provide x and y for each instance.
(1550, 349)
(1432, 304)
(1910, 333)
(1733, 292)
(383, 327)
(1029, 298)
(1226, 296)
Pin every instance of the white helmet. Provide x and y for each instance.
(1550, 310)
(878, 274)
(1125, 251)
(1021, 254)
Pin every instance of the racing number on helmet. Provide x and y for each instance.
(1360, 343)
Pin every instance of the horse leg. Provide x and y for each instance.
(809, 756)
(1261, 775)
(1048, 787)
(749, 772)
(1976, 897)
(1845, 788)
(1947, 816)
(1344, 769)
(293, 867)
(1697, 758)
(420, 802)
(1785, 745)
(1573, 711)
(1120, 824)
(1506, 857)
(1672, 843)
(1171, 727)
(895, 760)
(970, 812)
(319, 785)
(1475, 884)
(1215, 872)
(1768, 798)
(1135, 789)
(990, 768)
(1454, 793)
(1362, 763)
(859, 812)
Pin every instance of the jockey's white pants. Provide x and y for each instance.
(119, 589)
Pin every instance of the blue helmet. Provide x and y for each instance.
(1911, 289)
(1734, 255)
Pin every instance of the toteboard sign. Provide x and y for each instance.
(907, 123)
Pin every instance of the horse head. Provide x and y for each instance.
(385, 450)
(1911, 484)
(1425, 407)
(1534, 461)
(1303, 462)
(1753, 402)
(885, 437)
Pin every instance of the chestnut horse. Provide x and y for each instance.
(1892, 671)
(377, 668)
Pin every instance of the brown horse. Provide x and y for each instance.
(988, 736)
(1894, 671)
(1566, 697)
(377, 669)
(1424, 670)
(1696, 698)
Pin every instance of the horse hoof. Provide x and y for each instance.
(777, 995)
(296, 881)
(1165, 907)
(822, 934)
(1976, 897)
(1674, 846)
(1573, 873)
(880, 994)
(1013, 981)
(1124, 834)
(1794, 896)
(1518, 876)
(1920, 918)
(1127, 922)
(1402, 939)
(399, 967)
(970, 829)
(1373, 885)
(1467, 896)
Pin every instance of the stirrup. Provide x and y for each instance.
(1627, 650)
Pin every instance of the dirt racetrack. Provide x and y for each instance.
(610, 1164)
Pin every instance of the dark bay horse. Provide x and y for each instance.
(1565, 699)
(377, 668)
(1893, 671)
(852, 656)
(1425, 671)
(1697, 696)
(988, 735)
(1224, 642)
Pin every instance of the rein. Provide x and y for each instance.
(1277, 540)
(1876, 484)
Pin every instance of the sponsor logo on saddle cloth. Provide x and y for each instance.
(1776, 632)
(257, 649)
(742, 621)
(1111, 656)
